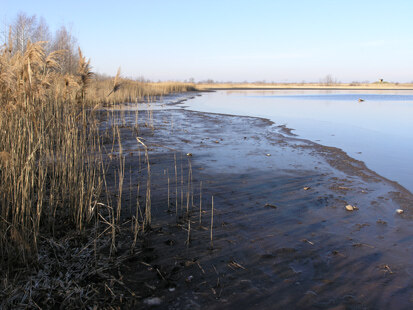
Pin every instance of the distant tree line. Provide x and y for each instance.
(25, 28)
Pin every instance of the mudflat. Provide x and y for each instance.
(283, 233)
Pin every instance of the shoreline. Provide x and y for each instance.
(288, 132)
(294, 86)
(258, 178)
(301, 88)
(328, 123)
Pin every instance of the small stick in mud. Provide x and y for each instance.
(130, 190)
(139, 161)
(137, 119)
(188, 239)
(176, 189)
(121, 174)
(136, 228)
(167, 172)
(182, 186)
(192, 187)
(200, 203)
(151, 120)
(212, 220)
(188, 190)
(148, 213)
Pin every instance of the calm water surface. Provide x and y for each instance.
(378, 131)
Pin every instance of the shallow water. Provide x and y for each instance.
(378, 131)
(299, 248)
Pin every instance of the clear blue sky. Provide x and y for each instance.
(276, 40)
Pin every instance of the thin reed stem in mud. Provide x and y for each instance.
(121, 174)
(151, 120)
(188, 190)
(200, 203)
(136, 227)
(139, 161)
(147, 115)
(212, 220)
(189, 187)
(182, 186)
(113, 232)
(148, 215)
(167, 173)
(137, 119)
(192, 187)
(188, 238)
(130, 190)
(176, 188)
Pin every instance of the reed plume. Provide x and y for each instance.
(116, 83)
(84, 71)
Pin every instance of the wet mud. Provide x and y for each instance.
(281, 234)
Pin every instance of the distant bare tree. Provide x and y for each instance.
(64, 40)
(4, 32)
(42, 33)
(29, 28)
(329, 80)
(23, 30)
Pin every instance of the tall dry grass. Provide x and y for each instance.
(120, 90)
(51, 173)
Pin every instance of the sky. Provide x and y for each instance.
(226, 40)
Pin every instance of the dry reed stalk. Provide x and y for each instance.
(85, 75)
(137, 120)
(200, 203)
(192, 186)
(212, 220)
(121, 174)
(148, 215)
(182, 186)
(188, 238)
(116, 83)
(167, 172)
(189, 186)
(176, 188)
(136, 227)
(130, 190)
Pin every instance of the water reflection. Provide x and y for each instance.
(378, 130)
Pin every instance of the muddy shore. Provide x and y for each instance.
(282, 236)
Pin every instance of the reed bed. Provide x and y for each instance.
(120, 90)
(51, 174)
(55, 202)
(49, 170)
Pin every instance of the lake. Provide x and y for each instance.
(378, 130)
